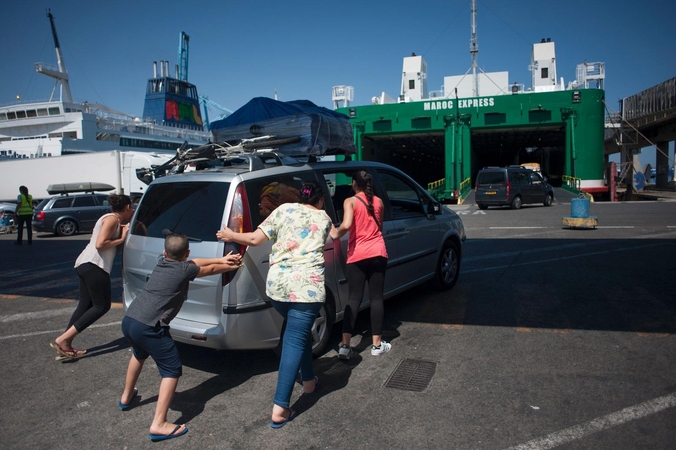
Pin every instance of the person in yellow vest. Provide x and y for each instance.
(24, 215)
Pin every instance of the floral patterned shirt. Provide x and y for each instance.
(297, 258)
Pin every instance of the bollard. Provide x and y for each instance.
(579, 208)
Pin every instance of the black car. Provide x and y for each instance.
(511, 186)
(67, 215)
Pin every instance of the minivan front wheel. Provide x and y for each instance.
(66, 227)
(516, 203)
(548, 200)
(448, 266)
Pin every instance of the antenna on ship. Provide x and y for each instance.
(61, 75)
(474, 50)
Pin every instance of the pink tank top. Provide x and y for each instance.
(365, 239)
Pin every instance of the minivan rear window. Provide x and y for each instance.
(192, 208)
(491, 178)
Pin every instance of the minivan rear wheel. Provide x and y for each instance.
(448, 266)
(321, 329)
(516, 203)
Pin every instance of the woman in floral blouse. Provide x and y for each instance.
(295, 283)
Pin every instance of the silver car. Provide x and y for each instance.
(231, 311)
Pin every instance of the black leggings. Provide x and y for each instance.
(21, 220)
(95, 296)
(358, 273)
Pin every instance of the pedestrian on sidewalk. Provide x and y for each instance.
(366, 261)
(93, 268)
(295, 284)
(146, 325)
(24, 215)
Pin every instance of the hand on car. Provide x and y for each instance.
(225, 234)
(232, 259)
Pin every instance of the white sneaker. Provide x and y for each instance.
(384, 348)
(344, 352)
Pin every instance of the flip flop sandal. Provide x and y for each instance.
(71, 354)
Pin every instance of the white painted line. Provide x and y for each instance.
(619, 226)
(37, 315)
(540, 261)
(600, 423)
(514, 228)
(539, 251)
(671, 226)
(38, 333)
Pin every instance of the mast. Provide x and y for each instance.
(474, 50)
(61, 75)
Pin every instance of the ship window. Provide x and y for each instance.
(544, 72)
(31, 113)
(20, 114)
(411, 84)
(42, 112)
(54, 111)
(11, 115)
(3, 116)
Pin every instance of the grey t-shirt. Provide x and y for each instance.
(164, 293)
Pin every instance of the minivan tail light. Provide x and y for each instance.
(40, 216)
(507, 188)
(239, 222)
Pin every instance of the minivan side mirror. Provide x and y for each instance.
(434, 208)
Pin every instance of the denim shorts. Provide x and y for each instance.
(156, 342)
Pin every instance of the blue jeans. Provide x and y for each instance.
(296, 347)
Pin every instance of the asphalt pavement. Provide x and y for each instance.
(552, 338)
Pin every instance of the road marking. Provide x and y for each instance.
(36, 315)
(514, 228)
(599, 424)
(38, 333)
(540, 261)
(539, 251)
(618, 226)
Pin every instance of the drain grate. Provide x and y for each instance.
(412, 375)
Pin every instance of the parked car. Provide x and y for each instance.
(511, 186)
(67, 214)
(231, 311)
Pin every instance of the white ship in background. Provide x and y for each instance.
(171, 116)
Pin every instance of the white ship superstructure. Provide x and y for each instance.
(61, 126)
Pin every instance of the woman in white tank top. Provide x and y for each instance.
(93, 267)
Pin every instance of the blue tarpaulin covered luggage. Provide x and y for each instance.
(321, 131)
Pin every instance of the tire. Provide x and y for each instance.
(548, 200)
(482, 206)
(516, 203)
(270, 143)
(321, 329)
(448, 267)
(66, 227)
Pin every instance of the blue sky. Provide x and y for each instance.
(244, 49)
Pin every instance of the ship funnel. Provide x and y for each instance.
(154, 69)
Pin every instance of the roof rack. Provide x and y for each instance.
(254, 150)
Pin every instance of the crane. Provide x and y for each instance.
(210, 104)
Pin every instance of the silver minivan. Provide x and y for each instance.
(231, 311)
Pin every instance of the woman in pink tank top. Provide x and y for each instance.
(366, 260)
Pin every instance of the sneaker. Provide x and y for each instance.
(344, 352)
(384, 348)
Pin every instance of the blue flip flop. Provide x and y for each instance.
(310, 394)
(283, 422)
(126, 407)
(164, 437)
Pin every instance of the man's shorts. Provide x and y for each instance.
(156, 342)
